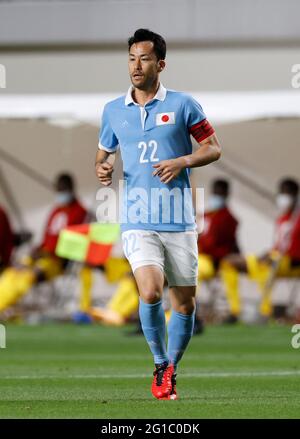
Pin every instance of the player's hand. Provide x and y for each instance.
(167, 170)
(104, 173)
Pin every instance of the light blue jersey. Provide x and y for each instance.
(147, 135)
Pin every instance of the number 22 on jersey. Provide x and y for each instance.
(152, 144)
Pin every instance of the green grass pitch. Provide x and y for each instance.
(68, 371)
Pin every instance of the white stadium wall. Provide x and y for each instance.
(105, 71)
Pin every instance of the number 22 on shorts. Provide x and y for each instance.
(130, 244)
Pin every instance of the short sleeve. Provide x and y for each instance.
(193, 112)
(107, 138)
(196, 122)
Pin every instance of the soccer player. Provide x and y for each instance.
(152, 126)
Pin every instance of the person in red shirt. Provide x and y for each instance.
(66, 212)
(283, 259)
(42, 264)
(287, 228)
(218, 238)
(6, 239)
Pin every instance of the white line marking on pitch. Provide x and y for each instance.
(185, 375)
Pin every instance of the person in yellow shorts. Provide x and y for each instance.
(124, 301)
(218, 239)
(122, 306)
(283, 260)
(42, 264)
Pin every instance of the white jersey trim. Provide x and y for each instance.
(160, 95)
(100, 146)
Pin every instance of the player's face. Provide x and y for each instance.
(144, 67)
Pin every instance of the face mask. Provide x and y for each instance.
(216, 202)
(284, 202)
(63, 198)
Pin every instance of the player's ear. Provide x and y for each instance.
(161, 65)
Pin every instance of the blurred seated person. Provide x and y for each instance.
(218, 238)
(6, 240)
(283, 259)
(42, 264)
(124, 302)
(122, 306)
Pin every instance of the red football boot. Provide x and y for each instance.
(162, 384)
(173, 395)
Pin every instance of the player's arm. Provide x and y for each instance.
(209, 152)
(104, 166)
(107, 147)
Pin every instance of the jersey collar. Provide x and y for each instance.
(160, 95)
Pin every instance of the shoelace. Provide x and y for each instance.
(159, 373)
(173, 379)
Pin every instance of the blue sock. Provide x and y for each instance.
(180, 331)
(153, 323)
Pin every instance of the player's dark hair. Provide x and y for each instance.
(159, 43)
(65, 180)
(221, 185)
(289, 185)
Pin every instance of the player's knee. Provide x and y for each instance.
(187, 307)
(150, 295)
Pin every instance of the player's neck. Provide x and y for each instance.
(141, 97)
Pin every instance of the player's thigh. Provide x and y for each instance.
(145, 253)
(181, 258)
(150, 281)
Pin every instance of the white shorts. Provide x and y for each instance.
(175, 253)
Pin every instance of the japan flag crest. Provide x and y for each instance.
(165, 118)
